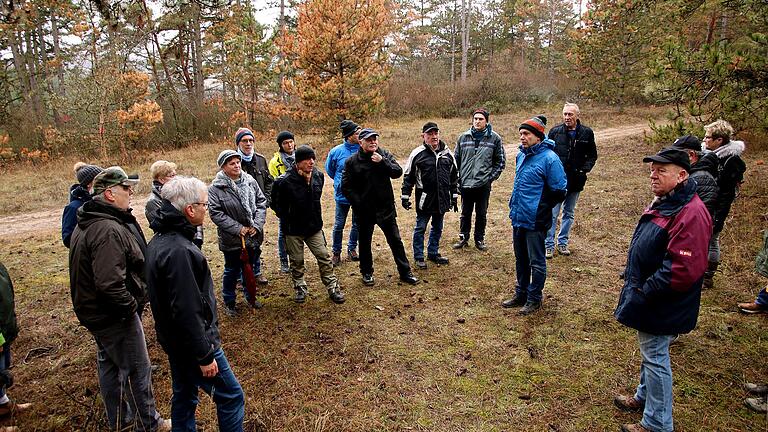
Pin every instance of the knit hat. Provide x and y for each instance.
(282, 136)
(86, 173)
(241, 133)
(688, 142)
(482, 111)
(535, 125)
(671, 155)
(113, 176)
(367, 133)
(348, 128)
(303, 153)
(429, 126)
(226, 155)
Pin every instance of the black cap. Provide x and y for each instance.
(303, 153)
(429, 126)
(348, 128)
(671, 155)
(367, 133)
(689, 142)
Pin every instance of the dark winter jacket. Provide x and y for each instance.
(479, 162)
(368, 185)
(181, 290)
(297, 203)
(106, 265)
(152, 211)
(258, 168)
(704, 172)
(578, 154)
(230, 216)
(9, 328)
(665, 266)
(78, 196)
(730, 176)
(539, 186)
(435, 176)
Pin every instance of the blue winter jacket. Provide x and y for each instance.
(539, 185)
(334, 166)
(77, 197)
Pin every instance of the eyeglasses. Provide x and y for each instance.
(204, 204)
(247, 140)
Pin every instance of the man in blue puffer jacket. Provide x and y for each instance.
(334, 166)
(540, 184)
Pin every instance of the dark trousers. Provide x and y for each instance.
(530, 263)
(477, 199)
(392, 233)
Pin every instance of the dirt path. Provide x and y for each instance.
(50, 220)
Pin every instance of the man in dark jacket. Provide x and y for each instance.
(184, 306)
(432, 170)
(575, 144)
(9, 329)
(703, 170)
(480, 159)
(297, 202)
(367, 184)
(106, 276)
(662, 283)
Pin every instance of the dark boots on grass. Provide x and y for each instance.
(709, 275)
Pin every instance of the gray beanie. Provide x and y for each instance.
(225, 155)
(86, 173)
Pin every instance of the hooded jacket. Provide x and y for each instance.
(230, 216)
(78, 196)
(704, 173)
(181, 289)
(298, 204)
(731, 170)
(106, 265)
(368, 185)
(479, 162)
(277, 166)
(665, 267)
(152, 211)
(578, 155)
(334, 166)
(435, 176)
(539, 185)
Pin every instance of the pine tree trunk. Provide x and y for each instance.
(465, 15)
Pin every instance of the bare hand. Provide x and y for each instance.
(376, 158)
(244, 231)
(210, 371)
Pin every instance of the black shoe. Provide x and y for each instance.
(409, 278)
(421, 265)
(438, 259)
(301, 294)
(515, 301)
(284, 267)
(368, 279)
(461, 243)
(529, 308)
(480, 245)
(336, 295)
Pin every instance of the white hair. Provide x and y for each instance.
(572, 105)
(183, 191)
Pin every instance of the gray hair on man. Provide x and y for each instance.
(183, 191)
(572, 105)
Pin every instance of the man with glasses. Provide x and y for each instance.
(106, 275)
(480, 160)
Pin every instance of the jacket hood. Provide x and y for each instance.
(95, 210)
(733, 148)
(671, 203)
(78, 193)
(169, 219)
(538, 148)
(707, 162)
(350, 146)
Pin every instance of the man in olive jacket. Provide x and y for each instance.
(106, 276)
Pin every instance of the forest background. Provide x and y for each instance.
(113, 79)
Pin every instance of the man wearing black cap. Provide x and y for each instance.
(480, 160)
(662, 283)
(703, 170)
(431, 168)
(334, 167)
(367, 184)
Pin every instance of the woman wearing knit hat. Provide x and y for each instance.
(79, 194)
(539, 185)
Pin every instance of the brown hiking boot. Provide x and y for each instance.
(628, 403)
(336, 259)
(752, 308)
(634, 427)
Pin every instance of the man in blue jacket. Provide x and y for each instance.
(539, 185)
(334, 166)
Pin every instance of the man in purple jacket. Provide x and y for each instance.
(662, 283)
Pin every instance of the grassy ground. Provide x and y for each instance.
(440, 356)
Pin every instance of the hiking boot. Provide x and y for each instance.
(335, 294)
(563, 250)
(461, 243)
(480, 245)
(11, 408)
(336, 259)
(261, 279)
(164, 425)
(409, 278)
(628, 403)
(549, 253)
(255, 303)
(368, 279)
(515, 301)
(230, 310)
(634, 427)
(353, 256)
(756, 388)
(752, 308)
(284, 267)
(529, 308)
(709, 275)
(757, 404)
(438, 259)
(421, 265)
(301, 294)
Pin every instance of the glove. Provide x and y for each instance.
(455, 204)
(406, 203)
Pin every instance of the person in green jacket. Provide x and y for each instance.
(9, 329)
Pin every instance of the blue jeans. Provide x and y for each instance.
(342, 210)
(434, 235)
(762, 298)
(655, 382)
(569, 207)
(224, 388)
(5, 362)
(233, 268)
(530, 263)
(281, 252)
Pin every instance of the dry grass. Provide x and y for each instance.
(413, 365)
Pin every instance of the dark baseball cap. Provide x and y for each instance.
(429, 126)
(689, 142)
(367, 133)
(113, 176)
(671, 155)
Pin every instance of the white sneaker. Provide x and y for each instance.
(164, 426)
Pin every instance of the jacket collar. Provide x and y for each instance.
(169, 220)
(733, 148)
(671, 203)
(537, 148)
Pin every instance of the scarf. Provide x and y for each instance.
(289, 160)
(479, 134)
(244, 157)
(244, 191)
